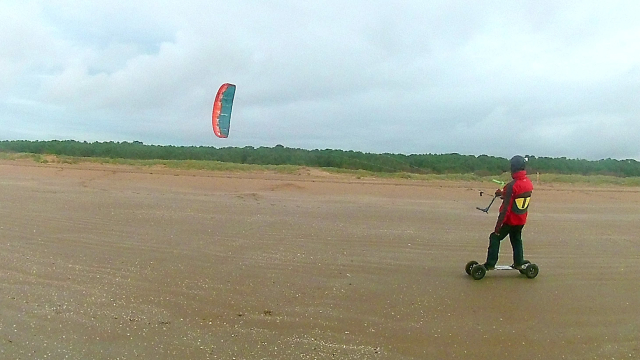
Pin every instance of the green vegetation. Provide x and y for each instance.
(289, 160)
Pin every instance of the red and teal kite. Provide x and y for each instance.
(221, 117)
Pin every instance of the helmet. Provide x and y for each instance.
(517, 163)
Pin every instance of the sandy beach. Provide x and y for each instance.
(120, 262)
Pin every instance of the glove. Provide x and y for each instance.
(499, 193)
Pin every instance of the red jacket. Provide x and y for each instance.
(516, 196)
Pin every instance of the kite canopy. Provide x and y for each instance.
(221, 117)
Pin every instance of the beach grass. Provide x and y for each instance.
(208, 165)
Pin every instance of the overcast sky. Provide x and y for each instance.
(547, 78)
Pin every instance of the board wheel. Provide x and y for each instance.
(524, 271)
(470, 266)
(531, 271)
(478, 272)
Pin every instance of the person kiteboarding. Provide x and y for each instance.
(515, 196)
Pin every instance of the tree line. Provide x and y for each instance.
(482, 165)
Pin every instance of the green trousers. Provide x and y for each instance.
(515, 236)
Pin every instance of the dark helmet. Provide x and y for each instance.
(518, 163)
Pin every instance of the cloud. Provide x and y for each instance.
(542, 78)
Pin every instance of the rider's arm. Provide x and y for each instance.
(506, 194)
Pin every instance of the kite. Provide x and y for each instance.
(221, 117)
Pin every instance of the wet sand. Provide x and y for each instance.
(115, 262)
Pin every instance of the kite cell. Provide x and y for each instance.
(221, 117)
